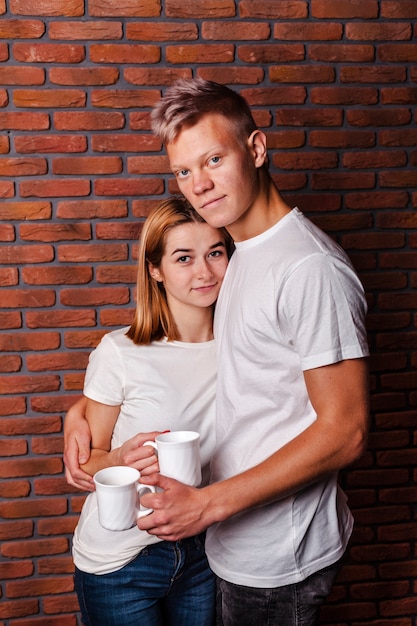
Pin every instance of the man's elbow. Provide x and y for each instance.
(358, 444)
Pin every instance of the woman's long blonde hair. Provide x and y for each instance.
(153, 319)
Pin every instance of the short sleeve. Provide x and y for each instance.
(105, 375)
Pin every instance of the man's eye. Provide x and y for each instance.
(214, 160)
(182, 174)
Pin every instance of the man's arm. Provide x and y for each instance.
(339, 394)
(77, 443)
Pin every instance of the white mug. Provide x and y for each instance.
(179, 455)
(118, 492)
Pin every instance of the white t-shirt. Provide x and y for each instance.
(290, 301)
(166, 385)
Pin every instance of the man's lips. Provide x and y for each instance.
(210, 203)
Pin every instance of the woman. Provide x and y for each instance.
(157, 375)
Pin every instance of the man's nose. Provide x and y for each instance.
(201, 182)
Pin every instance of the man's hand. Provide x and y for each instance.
(77, 440)
(179, 510)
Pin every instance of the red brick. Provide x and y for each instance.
(65, 361)
(8, 276)
(324, 31)
(48, 53)
(124, 231)
(341, 53)
(91, 209)
(235, 75)
(61, 319)
(129, 8)
(199, 8)
(154, 76)
(20, 608)
(201, 53)
(10, 363)
(128, 186)
(378, 32)
(29, 341)
(93, 252)
(27, 144)
(15, 120)
(124, 53)
(372, 74)
(125, 143)
(22, 75)
(235, 30)
(283, 53)
(84, 76)
(161, 31)
(96, 296)
(49, 98)
(88, 30)
(57, 276)
(366, 9)
(123, 98)
(35, 547)
(88, 120)
(309, 117)
(55, 188)
(21, 29)
(273, 9)
(399, 9)
(70, 8)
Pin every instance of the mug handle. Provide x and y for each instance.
(144, 511)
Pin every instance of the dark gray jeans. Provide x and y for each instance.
(291, 605)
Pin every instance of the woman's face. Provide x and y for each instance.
(192, 266)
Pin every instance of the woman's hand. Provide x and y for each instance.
(135, 454)
(77, 441)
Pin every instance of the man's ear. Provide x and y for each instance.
(154, 272)
(257, 145)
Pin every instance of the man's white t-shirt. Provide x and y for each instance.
(290, 302)
(166, 385)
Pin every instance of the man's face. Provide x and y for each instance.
(216, 173)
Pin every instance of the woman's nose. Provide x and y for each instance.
(204, 270)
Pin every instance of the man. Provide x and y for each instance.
(292, 391)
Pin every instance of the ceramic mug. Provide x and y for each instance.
(118, 492)
(179, 455)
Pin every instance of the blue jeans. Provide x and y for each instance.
(167, 584)
(292, 605)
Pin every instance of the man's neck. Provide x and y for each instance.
(268, 209)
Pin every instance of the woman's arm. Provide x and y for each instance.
(101, 419)
(77, 443)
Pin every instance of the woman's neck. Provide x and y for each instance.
(196, 327)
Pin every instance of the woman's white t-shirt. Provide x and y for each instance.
(166, 385)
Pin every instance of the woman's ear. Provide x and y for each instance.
(155, 273)
(257, 145)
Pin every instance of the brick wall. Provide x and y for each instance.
(333, 82)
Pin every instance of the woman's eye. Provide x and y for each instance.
(184, 259)
(214, 160)
(181, 174)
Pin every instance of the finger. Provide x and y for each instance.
(153, 468)
(84, 482)
(151, 436)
